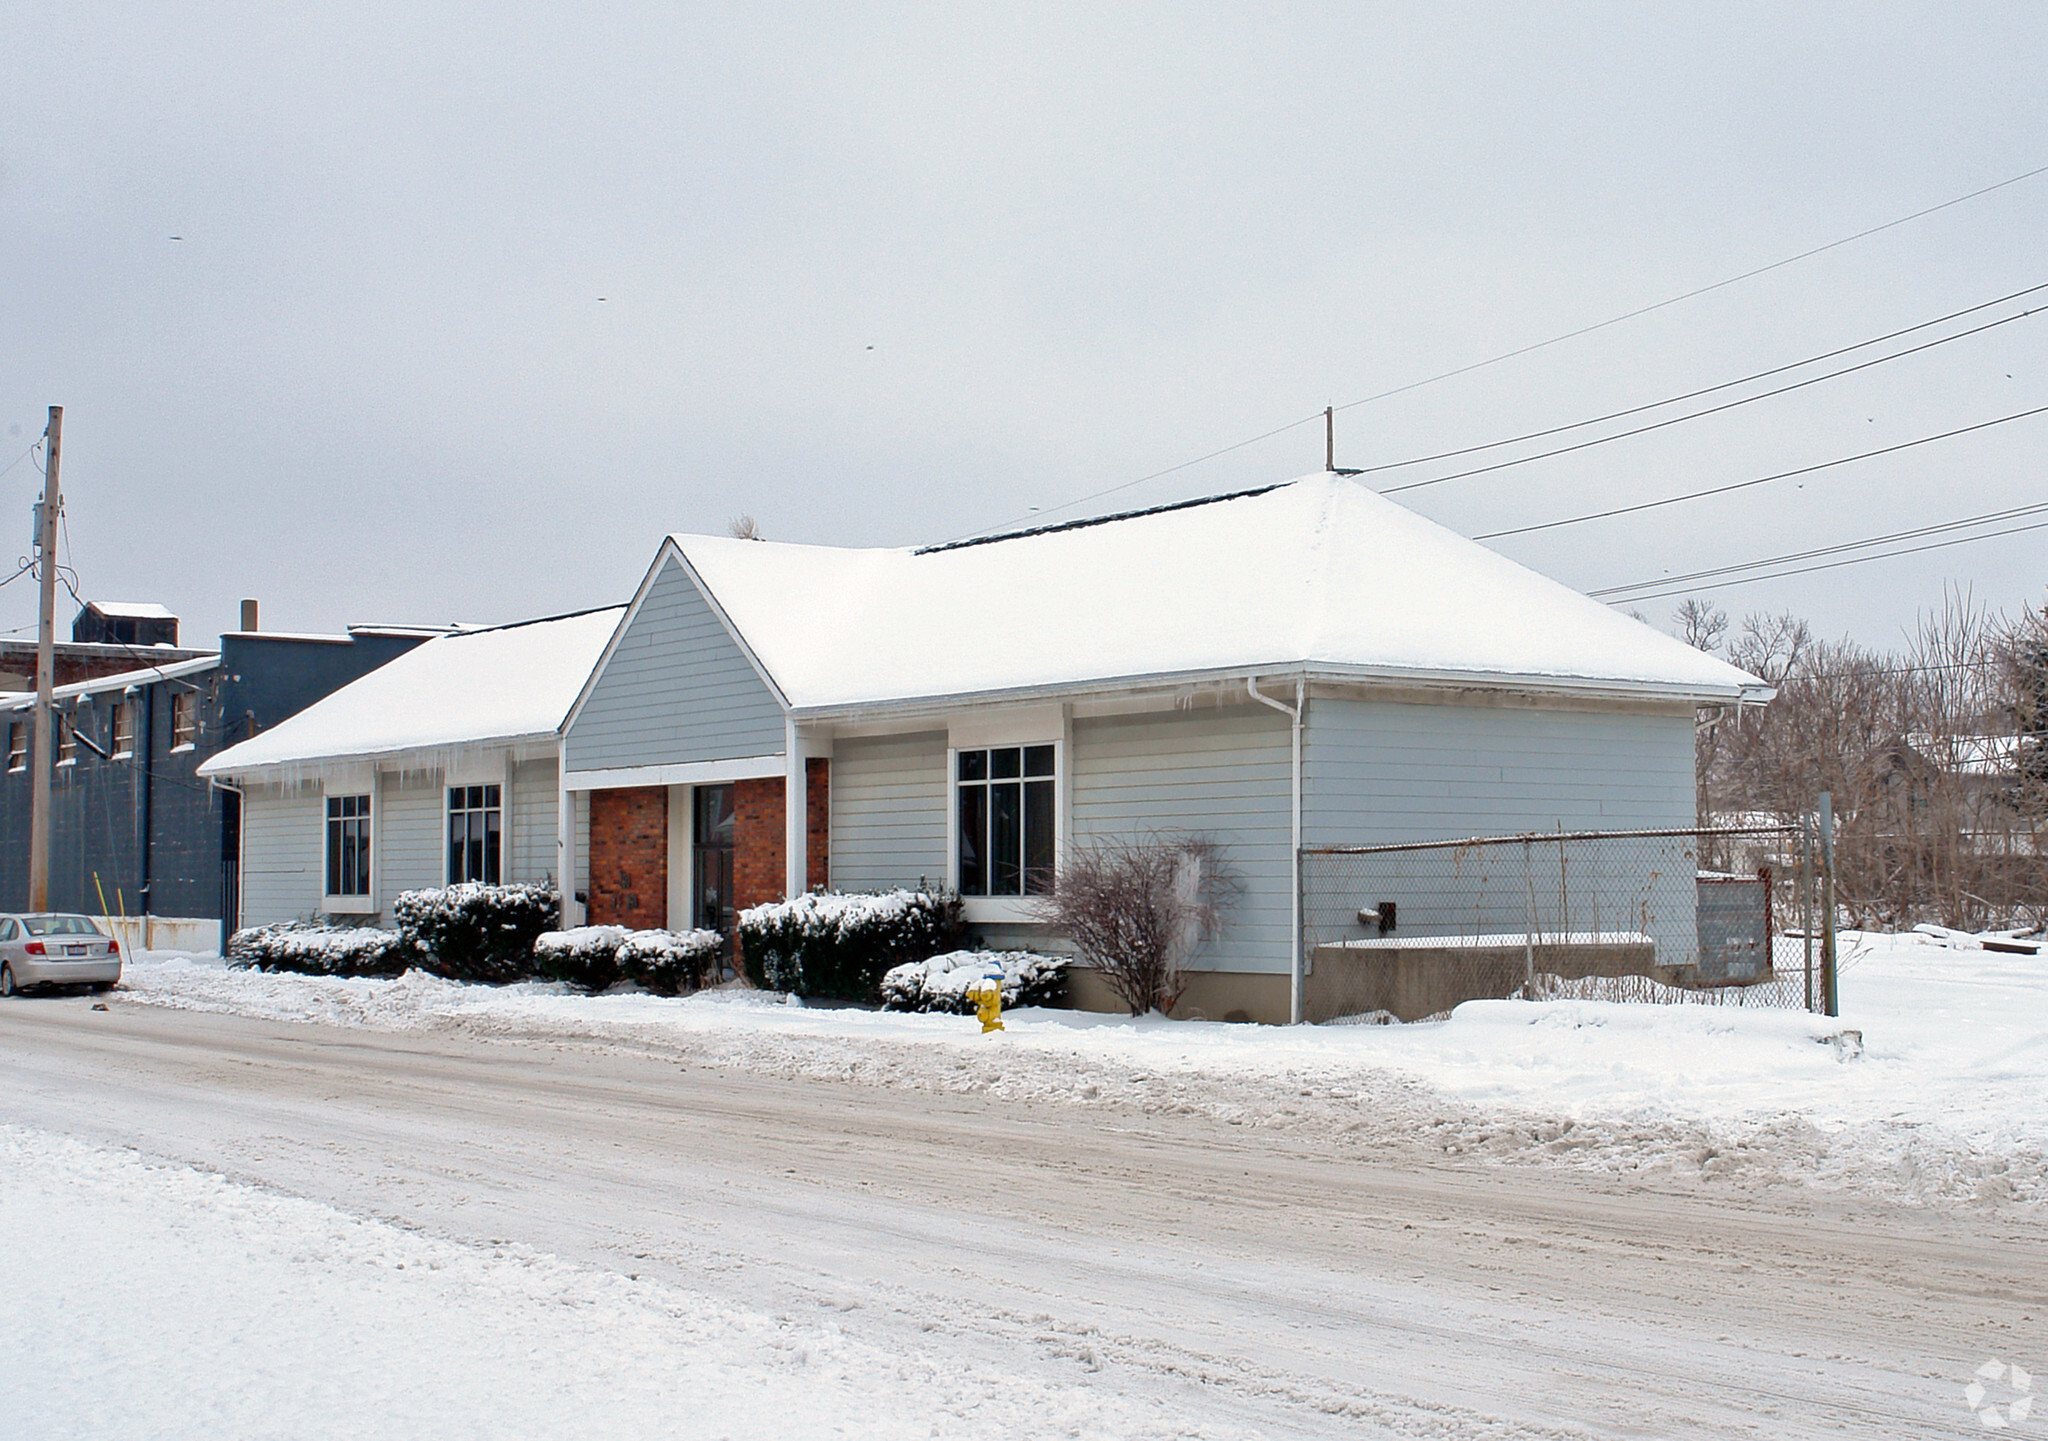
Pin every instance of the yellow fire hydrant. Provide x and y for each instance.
(987, 995)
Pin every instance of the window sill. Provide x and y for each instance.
(349, 905)
(62, 764)
(122, 756)
(1015, 910)
(180, 750)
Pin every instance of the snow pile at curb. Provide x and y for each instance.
(1928, 1091)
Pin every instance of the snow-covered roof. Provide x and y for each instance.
(130, 609)
(509, 683)
(1321, 575)
(146, 675)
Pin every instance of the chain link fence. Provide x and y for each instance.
(1716, 917)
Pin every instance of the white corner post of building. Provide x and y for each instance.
(1294, 714)
(565, 847)
(795, 815)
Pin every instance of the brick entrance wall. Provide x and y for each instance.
(757, 842)
(758, 866)
(818, 823)
(629, 857)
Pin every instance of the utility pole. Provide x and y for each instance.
(1329, 437)
(46, 667)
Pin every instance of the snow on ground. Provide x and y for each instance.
(1932, 1088)
(159, 1300)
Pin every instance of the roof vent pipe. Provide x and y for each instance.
(248, 615)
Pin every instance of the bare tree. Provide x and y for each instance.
(1135, 907)
(744, 527)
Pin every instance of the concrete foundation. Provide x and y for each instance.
(1210, 996)
(1412, 979)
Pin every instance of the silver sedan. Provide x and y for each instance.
(56, 950)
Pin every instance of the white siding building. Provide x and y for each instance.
(442, 766)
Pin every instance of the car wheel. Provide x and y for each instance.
(7, 986)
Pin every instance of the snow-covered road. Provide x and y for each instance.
(809, 1248)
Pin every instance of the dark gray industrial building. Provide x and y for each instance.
(134, 831)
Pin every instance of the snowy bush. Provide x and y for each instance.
(316, 950)
(475, 932)
(599, 957)
(840, 946)
(941, 983)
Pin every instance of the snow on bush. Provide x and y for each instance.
(316, 950)
(475, 932)
(941, 983)
(840, 946)
(599, 957)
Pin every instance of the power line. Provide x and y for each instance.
(1762, 479)
(1686, 582)
(1702, 290)
(1530, 349)
(1989, 517)
(1837, 564)
(23, 456)
(1697, 414)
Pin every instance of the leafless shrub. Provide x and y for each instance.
(744, 527)
(1135, 907)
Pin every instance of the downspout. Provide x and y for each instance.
(1293, 714)
(229, 924)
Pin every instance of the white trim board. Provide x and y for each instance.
(685, 773)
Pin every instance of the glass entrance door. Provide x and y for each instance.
(711, 840)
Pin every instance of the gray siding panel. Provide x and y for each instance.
(534, 840)
(1222, 773)
(677, 689)
(284, 848)
(1375, 772)
(889, 811)
(409, 835)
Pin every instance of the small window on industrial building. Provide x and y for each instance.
(17, 746)
(348, 845)
(184, 719)
(475, 834)
(67, 742)
(124, 730)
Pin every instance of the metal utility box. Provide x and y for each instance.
(1735, 928)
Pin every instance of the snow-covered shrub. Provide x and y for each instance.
(475, 932)
(941, 983)
(316, 950)
(670, 962)
(587, 956)
(599, 957)
(840, 946)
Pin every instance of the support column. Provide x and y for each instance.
(565, 847)
(795, 810)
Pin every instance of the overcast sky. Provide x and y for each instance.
(471, 304)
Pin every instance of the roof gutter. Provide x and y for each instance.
(1294, 715)
(1231, 676)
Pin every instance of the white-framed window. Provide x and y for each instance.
(17, 745)
(476, 830)
(123, 730)
(67, 741)
(184, 719)
(1006, 808)
(348, 846)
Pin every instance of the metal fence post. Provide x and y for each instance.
(1529, 930)
(1830, 1001)
(1807, 862)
